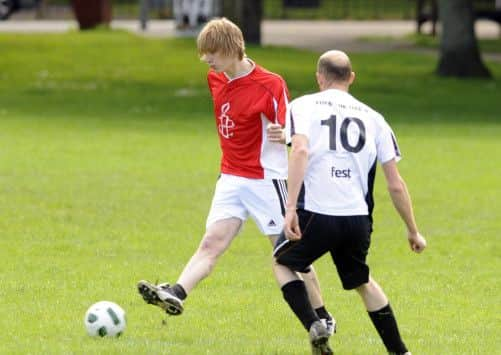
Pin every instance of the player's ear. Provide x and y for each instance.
(319, 79)
(352, 77)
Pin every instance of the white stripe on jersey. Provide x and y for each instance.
(345, 139)
(275, 107)
(273, 157)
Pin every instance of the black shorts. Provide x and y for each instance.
(346, 238)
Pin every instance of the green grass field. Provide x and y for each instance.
(108, 159)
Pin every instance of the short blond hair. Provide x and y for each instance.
(221, 35)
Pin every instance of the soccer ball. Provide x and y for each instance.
(105, 319)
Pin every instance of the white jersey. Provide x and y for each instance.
(346, 138)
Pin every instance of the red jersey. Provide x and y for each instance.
(243, 106)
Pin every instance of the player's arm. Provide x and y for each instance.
(403, 204)
(298, 161)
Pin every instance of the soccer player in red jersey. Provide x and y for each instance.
(247, 99)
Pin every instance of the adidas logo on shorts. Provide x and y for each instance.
(272, 223)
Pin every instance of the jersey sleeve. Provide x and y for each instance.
(299, 122)
(278, 107)
(283, 106)
(386, 144)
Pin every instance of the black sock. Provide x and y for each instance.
(322, 313)
(386, 325)
(179, 291)
(295, 294)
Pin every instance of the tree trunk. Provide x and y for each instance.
(41, 10)
(459, 52)
(92, 13)
(247, 15)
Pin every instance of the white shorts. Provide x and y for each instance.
(263, 200)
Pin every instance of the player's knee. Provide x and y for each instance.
(369, 287)
(365, 288)
(210, 246)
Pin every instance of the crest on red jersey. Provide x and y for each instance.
(226, 124)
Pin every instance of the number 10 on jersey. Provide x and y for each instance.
(331, 122)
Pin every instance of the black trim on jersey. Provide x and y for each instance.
(300, 198)
(281, 188)
(369, 197)
(395, 145)
(293, 129)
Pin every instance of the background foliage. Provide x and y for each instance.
(275, 9)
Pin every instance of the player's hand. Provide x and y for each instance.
(275, 133)
(291, 225)
(416, 242)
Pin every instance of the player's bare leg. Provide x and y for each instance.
(313, 286)
(372, 295)
(216, 240)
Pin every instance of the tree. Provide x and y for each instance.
(247, 15)
(459, 52)
(92, 13)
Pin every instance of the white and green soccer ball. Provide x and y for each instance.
(105, 319)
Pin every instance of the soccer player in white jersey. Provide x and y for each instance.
(247, 98)
(336, 143)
